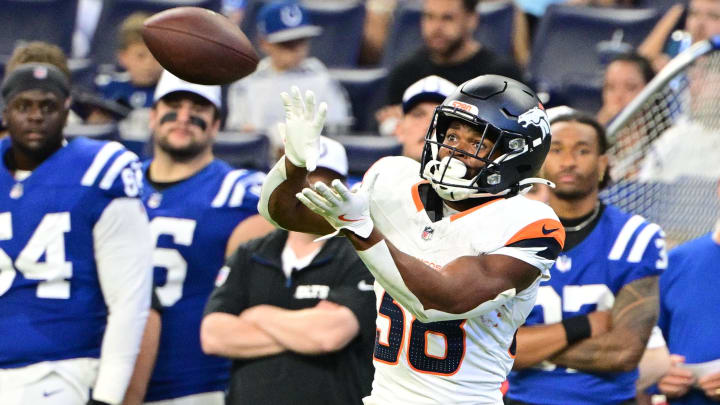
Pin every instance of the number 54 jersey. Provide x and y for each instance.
(453, 360)
(51, 303)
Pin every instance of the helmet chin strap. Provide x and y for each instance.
(454, 172)
(532, 180)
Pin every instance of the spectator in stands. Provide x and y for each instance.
(135, 86)
(702, 22)
(449, 50)
(691, 146)
(686, 320)
(625, 77)
(38, 52)
(418, 106)
(297, 316)
(234, 10)
(285, 31)
(583, 340)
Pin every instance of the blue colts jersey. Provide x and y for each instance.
(688, 307)
(51, 304)
(621, 249)
(191, 222)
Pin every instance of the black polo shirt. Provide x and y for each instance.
(335, 274)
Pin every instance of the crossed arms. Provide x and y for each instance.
(617, 342)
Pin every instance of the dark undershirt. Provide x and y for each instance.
(160, 186)
(573, 239)
(433, 204)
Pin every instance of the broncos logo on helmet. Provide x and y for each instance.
(536, 117)
(504, 111)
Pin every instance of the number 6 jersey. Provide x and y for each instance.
(455, 361)
(191, 222)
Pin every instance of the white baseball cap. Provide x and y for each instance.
(333, 156)
(169, 83)
(429, 88)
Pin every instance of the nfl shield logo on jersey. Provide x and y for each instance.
(16, 191)
(563, 263)
(154, 200)
(427, 233)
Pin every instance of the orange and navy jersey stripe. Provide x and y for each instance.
(548, 233)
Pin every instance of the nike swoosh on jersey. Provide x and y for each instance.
(342, 218)
(546, 231)
(364, 286)
(49, 393)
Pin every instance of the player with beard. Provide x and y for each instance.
(449, 50)
(582, 342)
(194, 202)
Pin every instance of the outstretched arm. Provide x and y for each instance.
(301, 135)
(466, 287)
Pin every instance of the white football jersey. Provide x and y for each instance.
(457, 361)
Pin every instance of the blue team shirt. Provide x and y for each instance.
(620, 250)
(51, 304)
(192, 221)
(118, 87)
(689, 301)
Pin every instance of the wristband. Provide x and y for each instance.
(577, 328)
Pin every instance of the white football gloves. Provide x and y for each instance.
(301, 130)
(342, 208)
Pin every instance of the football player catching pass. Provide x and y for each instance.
(456, 249)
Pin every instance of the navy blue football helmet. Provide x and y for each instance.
(504, 111)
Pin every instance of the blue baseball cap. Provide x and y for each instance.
(282, 21)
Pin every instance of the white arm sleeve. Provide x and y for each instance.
(381, 264)
(123, 253)
(273, 179)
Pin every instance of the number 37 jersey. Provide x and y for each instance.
(51, 304)
(459, 361)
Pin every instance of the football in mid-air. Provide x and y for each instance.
(199, 45)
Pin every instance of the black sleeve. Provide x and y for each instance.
(155, 302)
(399, 79)
(355, 292)
(230, 294)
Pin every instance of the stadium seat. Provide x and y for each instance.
(248, 151)
(494, 31)
(661, 5)
(249, 22)
(105, 132)
(364, 150)
(366, 89)
(574, 41)
(103, 44)
(27, 20)
(583, 96)
(341, 39)
(141, 148)
(496, 26)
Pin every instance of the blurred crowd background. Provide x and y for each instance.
(360, 56)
